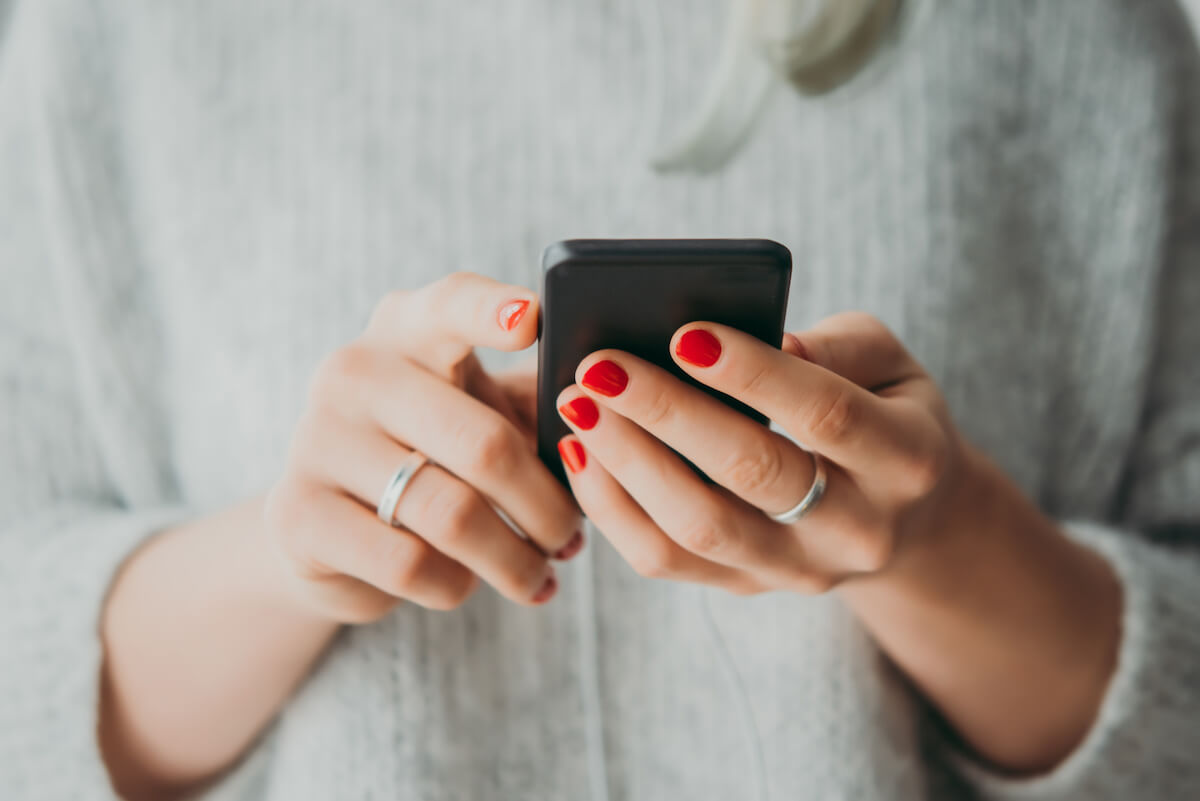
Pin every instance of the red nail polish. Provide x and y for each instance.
(511, 313)
(698, 347)
(573, 454)
(547, 590)
(606, 377)
(582, 412)
(573, 546)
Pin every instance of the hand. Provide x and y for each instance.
(847, 388)
(1005, 625)
(412, 381)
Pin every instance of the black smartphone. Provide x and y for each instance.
(633, 294)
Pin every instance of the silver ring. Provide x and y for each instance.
(815, 492)
(386, 510)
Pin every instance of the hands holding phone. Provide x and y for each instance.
(846, 388)
(411, 381)
(1005, 625)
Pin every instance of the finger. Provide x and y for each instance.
(858, 347)
(455, 519)
(636, 537)
(699, 517)
(758, 465)
(833, 416)
(437, 506)
(519, 385)
(477, 444)
(336, 535)
(479, 384)
(438, 324)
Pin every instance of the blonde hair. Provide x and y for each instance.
(815, 45)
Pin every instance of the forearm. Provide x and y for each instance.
(203, 644)
(1008, 628)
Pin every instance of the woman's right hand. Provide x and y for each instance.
(412, 381)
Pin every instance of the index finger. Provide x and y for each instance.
(440, 323)
(833, 416)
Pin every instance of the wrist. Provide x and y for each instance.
(1004, 623)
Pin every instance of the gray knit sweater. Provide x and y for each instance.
(199, 200)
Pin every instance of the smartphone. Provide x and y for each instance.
(633, 294)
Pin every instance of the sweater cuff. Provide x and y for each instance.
(54, 578)
(1145, 738)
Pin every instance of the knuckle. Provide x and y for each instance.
(346, 366)
(658, 409)
(872, 551)
(756, 468)
(655, 561)
(832, 418)
(927, 467)
(864, 321)
(450, 512)
(449, 286)
(882, 338)
(866, 541)
(753, 383)
(491, 448)
(452, 594)
(406, 559)
(391, 308)
(706, 533)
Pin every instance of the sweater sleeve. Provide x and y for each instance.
(85, 473)
(1146, 736)
(1145, 742)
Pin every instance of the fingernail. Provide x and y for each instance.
(606, 377)
(547, 590)
(698, 347)
(573, 546)
(582, 412)
(511, 313)
(573, 454)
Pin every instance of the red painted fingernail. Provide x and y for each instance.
(606, 377)
(698, 347)
(573, 546)
(573, 454)
(511, 313)
(582, 412)
(547, 590)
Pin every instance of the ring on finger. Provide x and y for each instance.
(811, 498)
(386, 509)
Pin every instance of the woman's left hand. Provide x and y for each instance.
(1006, 626)
(847, 389)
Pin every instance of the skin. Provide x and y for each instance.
(210, 626)
(1007, 628)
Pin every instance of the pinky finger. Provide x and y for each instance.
(341, 548)
(635, 536)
